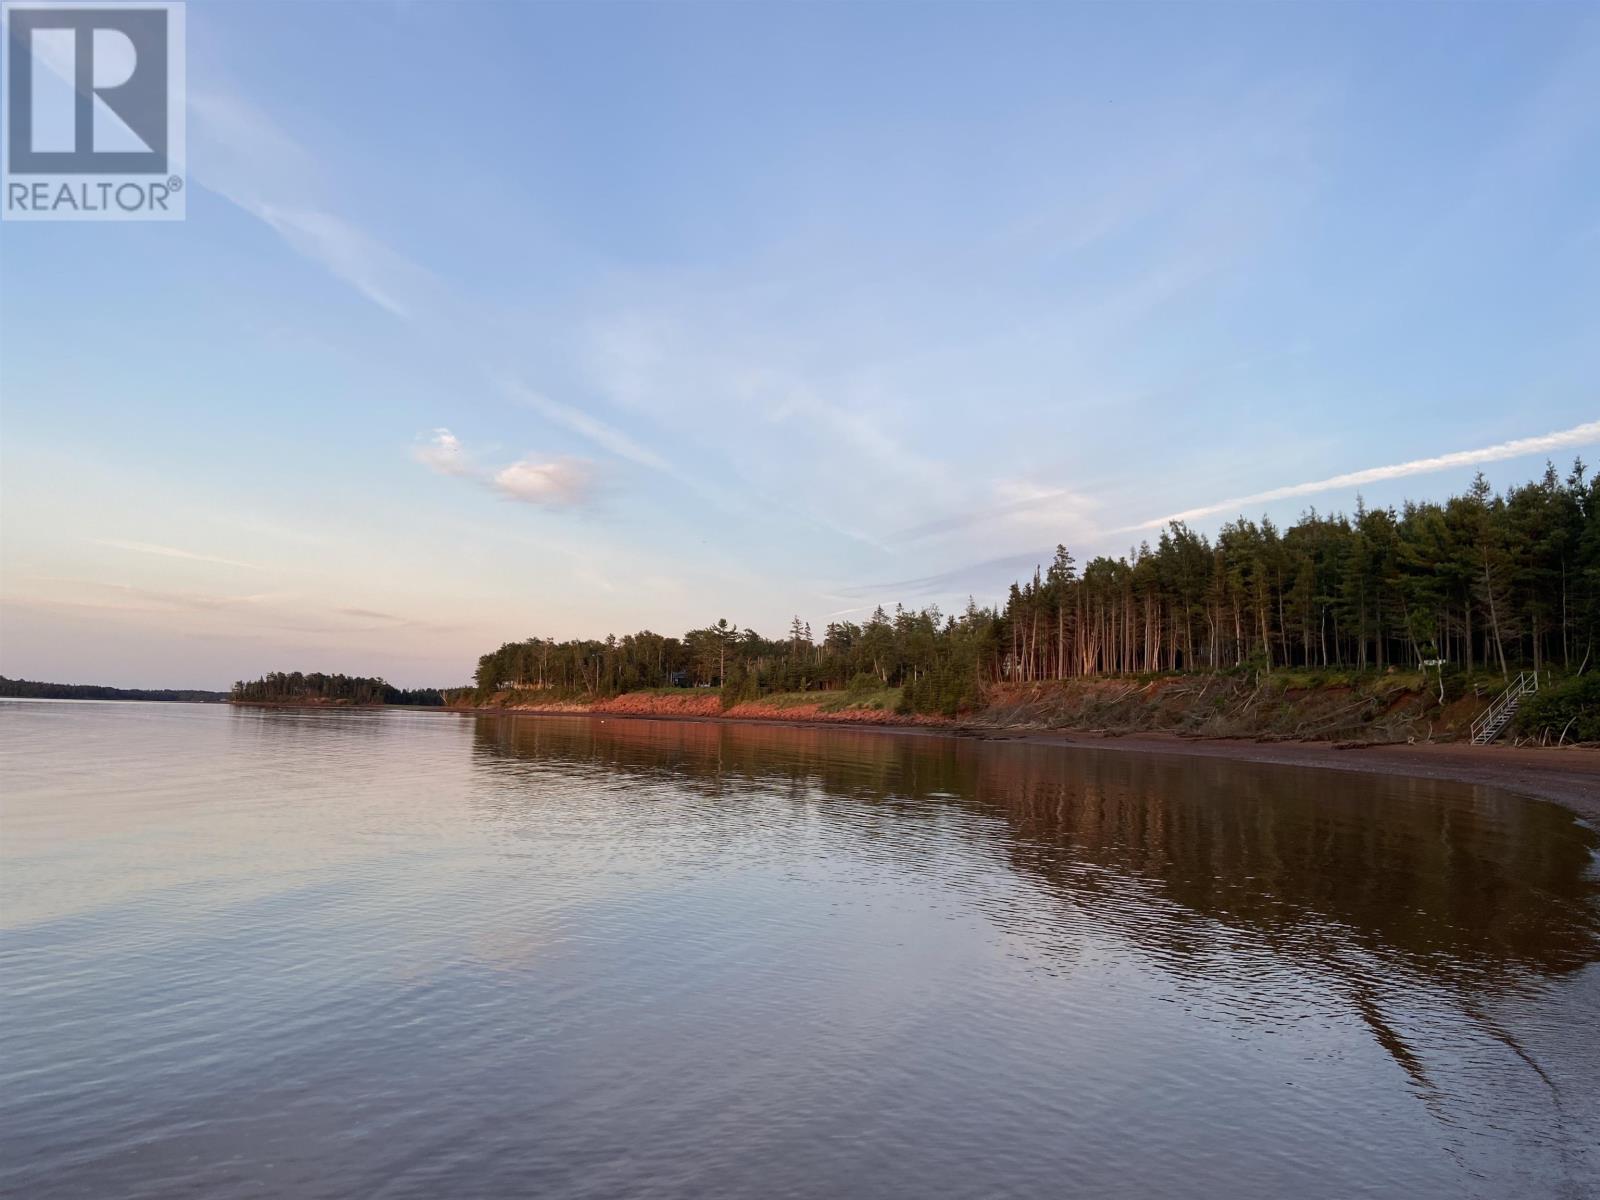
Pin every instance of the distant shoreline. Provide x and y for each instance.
(36, 689)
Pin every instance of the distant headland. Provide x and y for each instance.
(32, 689)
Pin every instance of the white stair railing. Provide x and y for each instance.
(1498, 715)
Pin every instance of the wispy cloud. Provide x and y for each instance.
(1022, 504)
(401, 287)
(586, 425)
(444, 453)
(370, 614)
(970, 577)
(173, 552)
(277, 610)
(560, 483)
(556, 483)
(248, 160)
(991, 572)
(127, 597)
(387, 279)
(1579, 435)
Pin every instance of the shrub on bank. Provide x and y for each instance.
(1570, 710)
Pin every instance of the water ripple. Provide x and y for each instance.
(333, 953)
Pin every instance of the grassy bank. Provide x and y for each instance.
(879, 706)
(1283, 705)
(1366, 707)
(1287, 705)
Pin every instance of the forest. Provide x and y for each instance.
(31, 689)
(1482, 582)
(293, 687)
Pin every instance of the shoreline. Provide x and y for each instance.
(1569, 776)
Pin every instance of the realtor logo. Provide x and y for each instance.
(93, 122)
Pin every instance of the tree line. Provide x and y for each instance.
(32, 689)
(936, 658)
(1479, 582)
(293, 687)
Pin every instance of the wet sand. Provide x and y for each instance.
(1569, 776)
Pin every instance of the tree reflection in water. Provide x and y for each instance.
(1218, 872)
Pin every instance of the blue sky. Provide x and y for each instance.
(494, 320)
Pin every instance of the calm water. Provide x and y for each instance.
(385, 954)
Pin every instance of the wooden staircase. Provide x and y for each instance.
(1498, 715)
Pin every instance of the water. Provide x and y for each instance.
(392, 954)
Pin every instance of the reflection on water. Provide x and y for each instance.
(332, 953)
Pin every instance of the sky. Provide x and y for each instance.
(491, 321)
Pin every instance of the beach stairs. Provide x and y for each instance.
(1493, 720)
